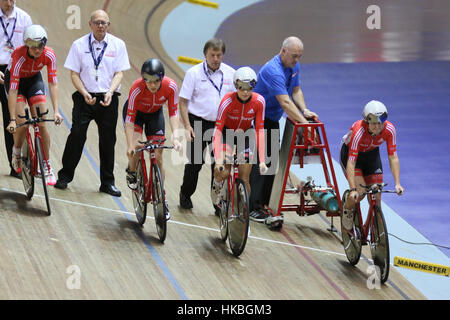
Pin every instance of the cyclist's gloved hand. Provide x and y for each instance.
(399, 189)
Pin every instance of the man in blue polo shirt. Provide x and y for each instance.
(279, 84)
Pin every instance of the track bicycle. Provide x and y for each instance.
(234, 213)
(373, 232)
(33, 155)
(150, 187)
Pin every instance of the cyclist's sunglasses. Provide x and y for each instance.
(245, 85)
(151, 77)
(35, 44)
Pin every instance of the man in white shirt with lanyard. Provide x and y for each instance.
(204, 86)
(96, 62)
(13, 22)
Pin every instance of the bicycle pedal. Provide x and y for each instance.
(270, 220)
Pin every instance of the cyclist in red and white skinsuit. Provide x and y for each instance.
(24, 84)
(241, 112)
(143, 111)
(360, 155)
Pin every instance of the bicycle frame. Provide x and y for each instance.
(32, 141)
(368, 224)
(148, 180)
(369, 219)
(234, 174)
(148, 196)
(37, 134)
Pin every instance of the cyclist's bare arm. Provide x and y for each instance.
(395, 168)
(12, 102)
(183, 106)
(54, 96)
(174, 126)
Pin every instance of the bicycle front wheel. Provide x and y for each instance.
(40, 154)
(223, 218)
(159, 209)
(26, 164)
(238, 222)
(379, 245)
(138, 195)
(352, 239)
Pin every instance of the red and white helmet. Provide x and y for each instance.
(375, 112)
(35, 36)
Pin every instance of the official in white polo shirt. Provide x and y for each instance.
(96, 62)
(13, 21)
(204, 86)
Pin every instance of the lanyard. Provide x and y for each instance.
(9, 37)
(100, 56)
(210, 80)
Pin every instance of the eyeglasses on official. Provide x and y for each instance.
(100, 23)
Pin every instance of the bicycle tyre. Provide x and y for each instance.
(239, 221)
(379, 244)
(40, 155)
(27, 164)
(223, 217)
(352, 241)
(159, 209)
(138, 195)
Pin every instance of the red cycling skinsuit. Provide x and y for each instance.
(23, 69)
(235, 115)
(363, 148)
(145, 108)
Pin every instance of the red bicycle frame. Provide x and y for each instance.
(148, 197)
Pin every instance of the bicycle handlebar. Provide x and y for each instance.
(33, 120)
(150, 145)
(376, 188)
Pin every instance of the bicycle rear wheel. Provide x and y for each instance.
(352, 240)
(138, 195)
(26, 164)
(238, 222)
(159, 209)
(223, 218)
(40, 155)
(379, 244)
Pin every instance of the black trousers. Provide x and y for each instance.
(9, 140)
(106, 120)
(203, 130)
(261, 185)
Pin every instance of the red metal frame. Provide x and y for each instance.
(231, 184)
(311, 139)
(32, 142)
(368, 224)
(148, 197)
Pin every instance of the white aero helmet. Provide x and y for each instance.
(35, 36)
(246, 76)
(375, 112)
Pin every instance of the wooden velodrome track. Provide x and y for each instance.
(119, 260)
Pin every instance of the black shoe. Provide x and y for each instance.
(258, 215)
(61, 184)
(110, 189)
(14, 174)
(185, 202)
